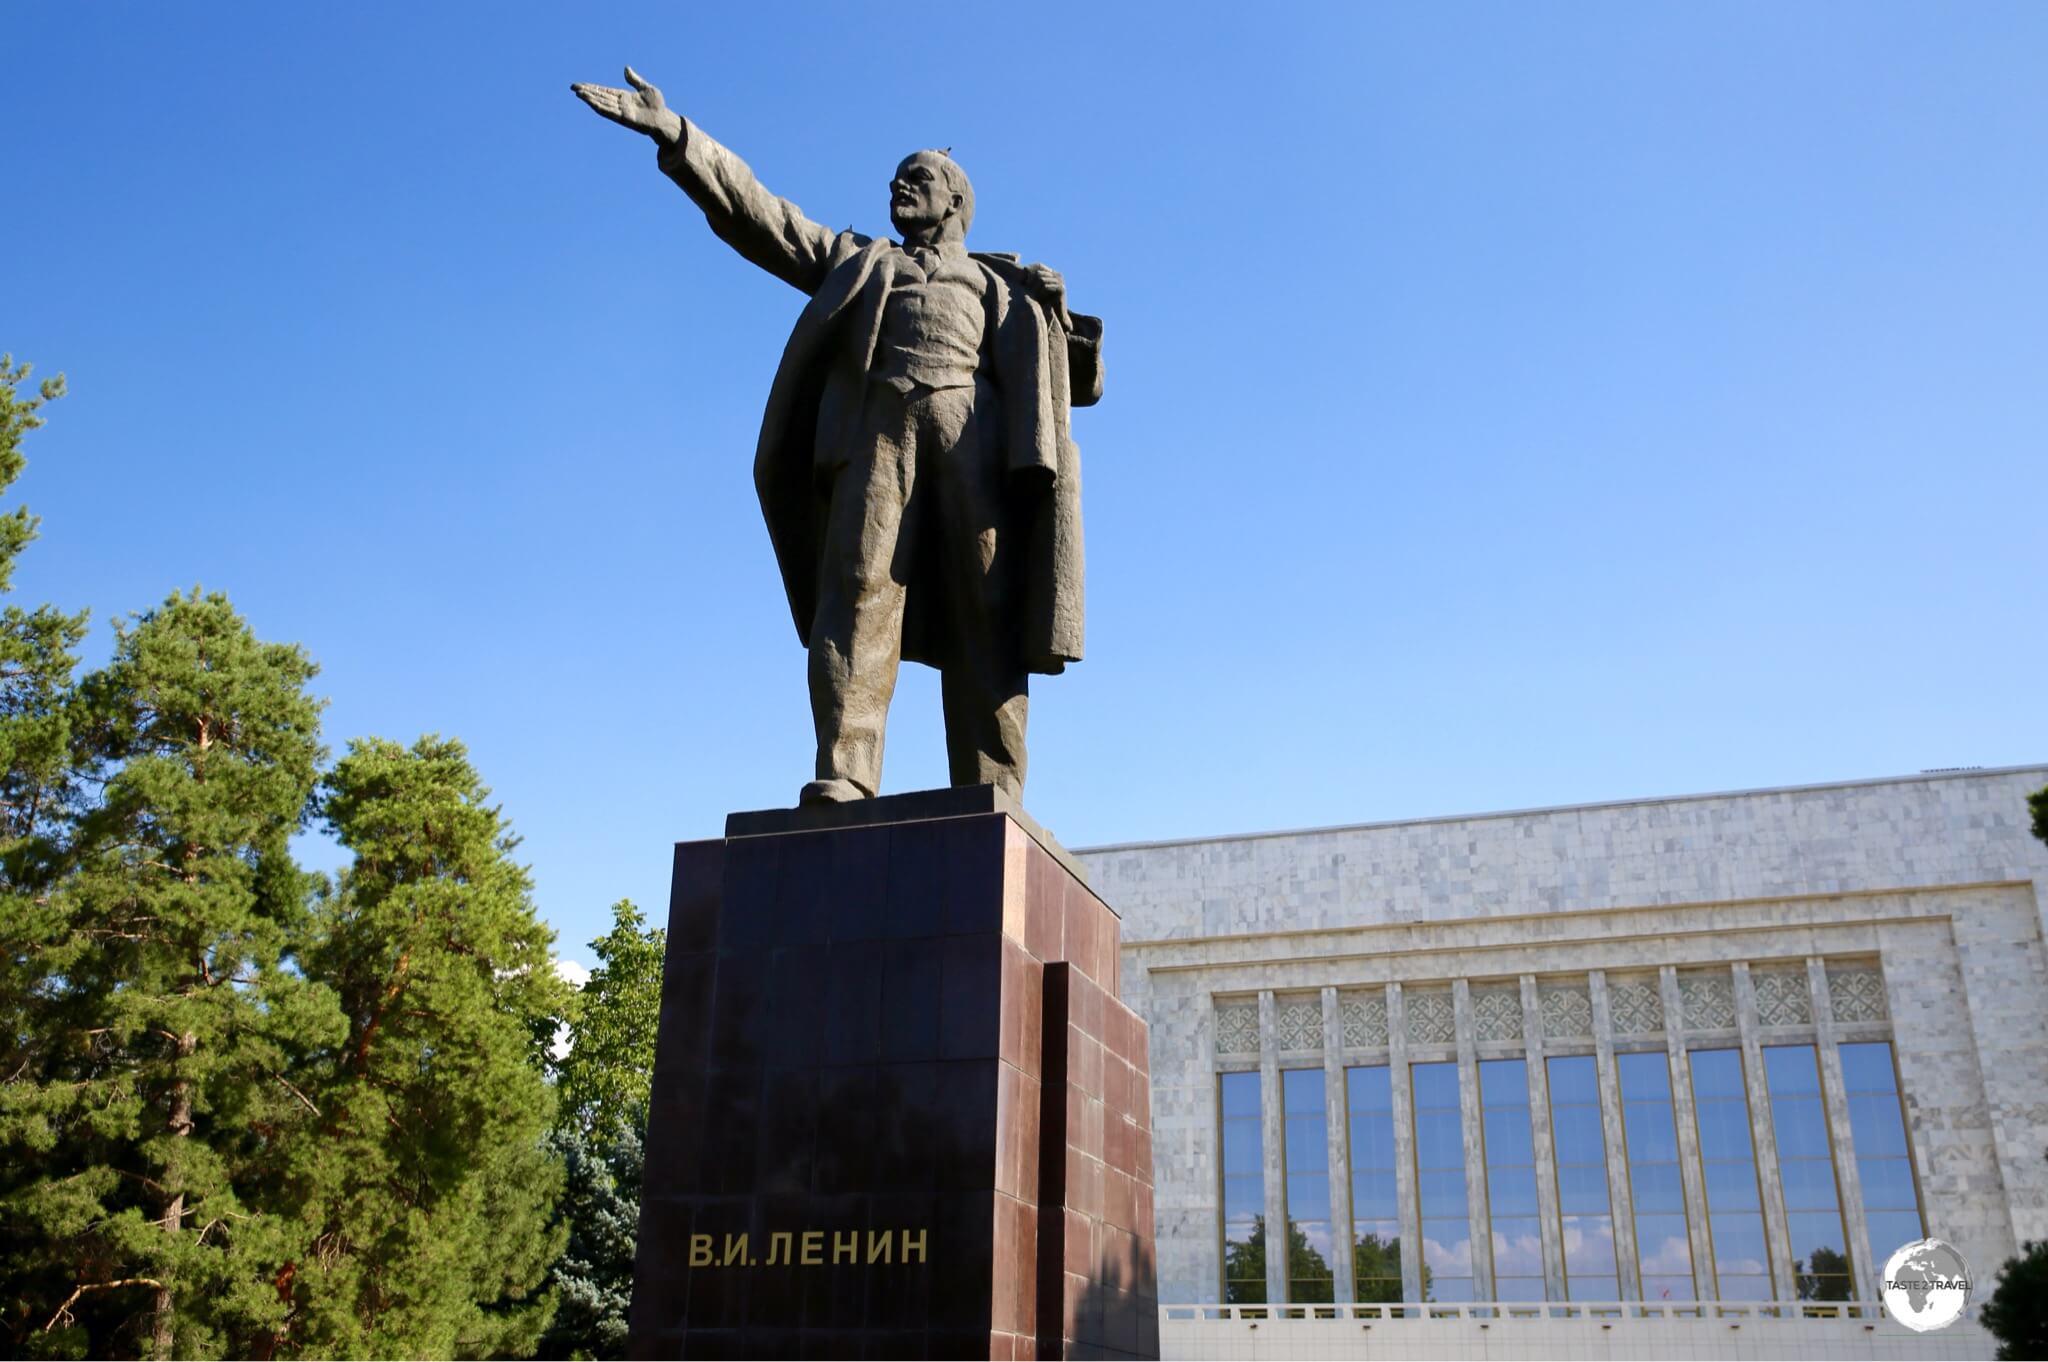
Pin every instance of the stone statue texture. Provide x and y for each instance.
(916, 466)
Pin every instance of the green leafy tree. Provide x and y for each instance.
(2017, 1313)
(2038, 802)
(1244, 1266)
(1825, 1278)
(604, 1080)
(424, 1203)
(1308, 1273)
(1376, 1268)
(156, 1007)
(603, 1084)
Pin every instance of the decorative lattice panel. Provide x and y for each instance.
(1299, 1023)
(1497, 1013)
(1432, 1020)
(1783, 997)
(1856, 993)
(1636, 1005)
(1365, 1019)
(1708, 1000)
(1237, 1028)
(1567, 1011)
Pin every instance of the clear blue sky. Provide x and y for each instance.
(1507, 405)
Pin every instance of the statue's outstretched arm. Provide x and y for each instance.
(765, 228)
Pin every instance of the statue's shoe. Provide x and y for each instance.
(829, 792)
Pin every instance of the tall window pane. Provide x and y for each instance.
(1582, 1201)
(1375, 1207)
(1891, 1203)
(1511, 1181)
(1440, 1183)
(1813, 1210)
(1244, 1191)
(1308, 1186)
(1735, 1219)
(1650, 1129)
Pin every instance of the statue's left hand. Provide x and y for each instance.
(640, 108)
(1051, 288)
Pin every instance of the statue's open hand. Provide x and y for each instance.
(639, 108)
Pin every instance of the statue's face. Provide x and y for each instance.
(919, 195)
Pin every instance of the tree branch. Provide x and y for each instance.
(307, 1101)
(64, 1310)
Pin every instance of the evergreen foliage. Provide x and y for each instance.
(594, 1276)
(426, 1201)
(158, 1008)
(603, 1085)
(243, 1111)
(2017, 1313)
(36, 664)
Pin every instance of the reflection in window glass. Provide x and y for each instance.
(1244, 1191)
(1735, 1220)
(1663, 1248)
(1511, 1180)
(1375, 1207)
(1440, 1183)
(1308, 1186)
(1582, 1203)
(1813, 1211)
(1891, 1204)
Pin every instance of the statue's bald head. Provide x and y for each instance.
(930, 190)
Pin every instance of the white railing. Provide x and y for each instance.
(1572, 1330)
(1550, 1310)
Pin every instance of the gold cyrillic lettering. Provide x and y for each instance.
(813, 1248)
(845, 1247)
(881, 1246)
(700, 1250)
(736, 1250)
(913, 1245)
(778, 1248)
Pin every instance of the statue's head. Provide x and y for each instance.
(931, 190)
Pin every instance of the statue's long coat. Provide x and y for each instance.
(1038, 367)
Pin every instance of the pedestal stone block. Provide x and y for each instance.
(897, 1108)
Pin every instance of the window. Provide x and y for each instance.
(1650, 1133)
(1511, 1180)
(1813, 1209)
(1308, 1186)
(1375, 1203)
(1583, 1207)
(1440, 1183)
(1877, 1131)
(1735, 1218)
(1244, 1190)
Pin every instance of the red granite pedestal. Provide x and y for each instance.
(898, 1110)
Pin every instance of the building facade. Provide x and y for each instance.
(1725, 1048)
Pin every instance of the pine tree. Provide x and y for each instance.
(424, 1203)
(603, 1085)
(158, 1010)
(36, 664)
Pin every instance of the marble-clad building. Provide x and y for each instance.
(1722, 1047)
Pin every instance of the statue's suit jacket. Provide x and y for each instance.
(1039, 368)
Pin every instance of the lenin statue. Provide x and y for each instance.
(915, 466)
